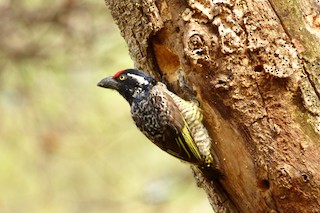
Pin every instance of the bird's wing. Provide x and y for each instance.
(177, 138)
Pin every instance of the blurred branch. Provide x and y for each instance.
(16, 21)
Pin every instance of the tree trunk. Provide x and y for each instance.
(255, 67)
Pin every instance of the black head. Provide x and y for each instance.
(129, 83)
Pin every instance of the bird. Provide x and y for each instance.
(170, 122)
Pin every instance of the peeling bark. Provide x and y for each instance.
(255, 67)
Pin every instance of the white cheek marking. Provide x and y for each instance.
(141, 80)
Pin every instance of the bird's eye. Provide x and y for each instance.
(122, 77)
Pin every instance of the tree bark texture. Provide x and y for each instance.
(255, 67)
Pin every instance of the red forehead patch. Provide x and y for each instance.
(118, 73)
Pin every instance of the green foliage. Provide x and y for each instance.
(67, 145)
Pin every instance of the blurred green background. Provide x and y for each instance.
(67, 145)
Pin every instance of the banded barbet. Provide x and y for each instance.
(170, 122)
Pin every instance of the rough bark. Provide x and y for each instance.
(255, 67)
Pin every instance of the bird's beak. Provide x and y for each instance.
(109, 82)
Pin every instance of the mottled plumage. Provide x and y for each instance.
(173, 124)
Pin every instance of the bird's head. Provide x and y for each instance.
(129, 83)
